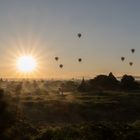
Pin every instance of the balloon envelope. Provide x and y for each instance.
(130, 63)
(61, 66)
(80, 59)
(132, 50)
(56, 58)
(122, 58)
(79, 35)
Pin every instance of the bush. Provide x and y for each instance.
(128, 83)
(92, 131)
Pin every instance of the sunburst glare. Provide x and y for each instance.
(26, 63)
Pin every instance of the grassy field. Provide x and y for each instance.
(75, 107)
(47, 115)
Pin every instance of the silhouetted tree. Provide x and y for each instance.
(104, 82)
(7, 117)
(128, 83)
(98, 82)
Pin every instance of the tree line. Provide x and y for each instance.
(109, 82)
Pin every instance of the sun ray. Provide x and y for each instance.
(29, 46)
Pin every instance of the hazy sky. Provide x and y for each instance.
(110, 28)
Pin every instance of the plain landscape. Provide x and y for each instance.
(83, 111)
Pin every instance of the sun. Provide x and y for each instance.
(26, 64)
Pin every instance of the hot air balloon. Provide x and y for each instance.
(56, 58)
(79, 35)
(132, 50)
(61, 66)
(79, 59)
(122, 58)
(130, 63)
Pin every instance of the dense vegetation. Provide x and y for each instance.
(109, 82)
